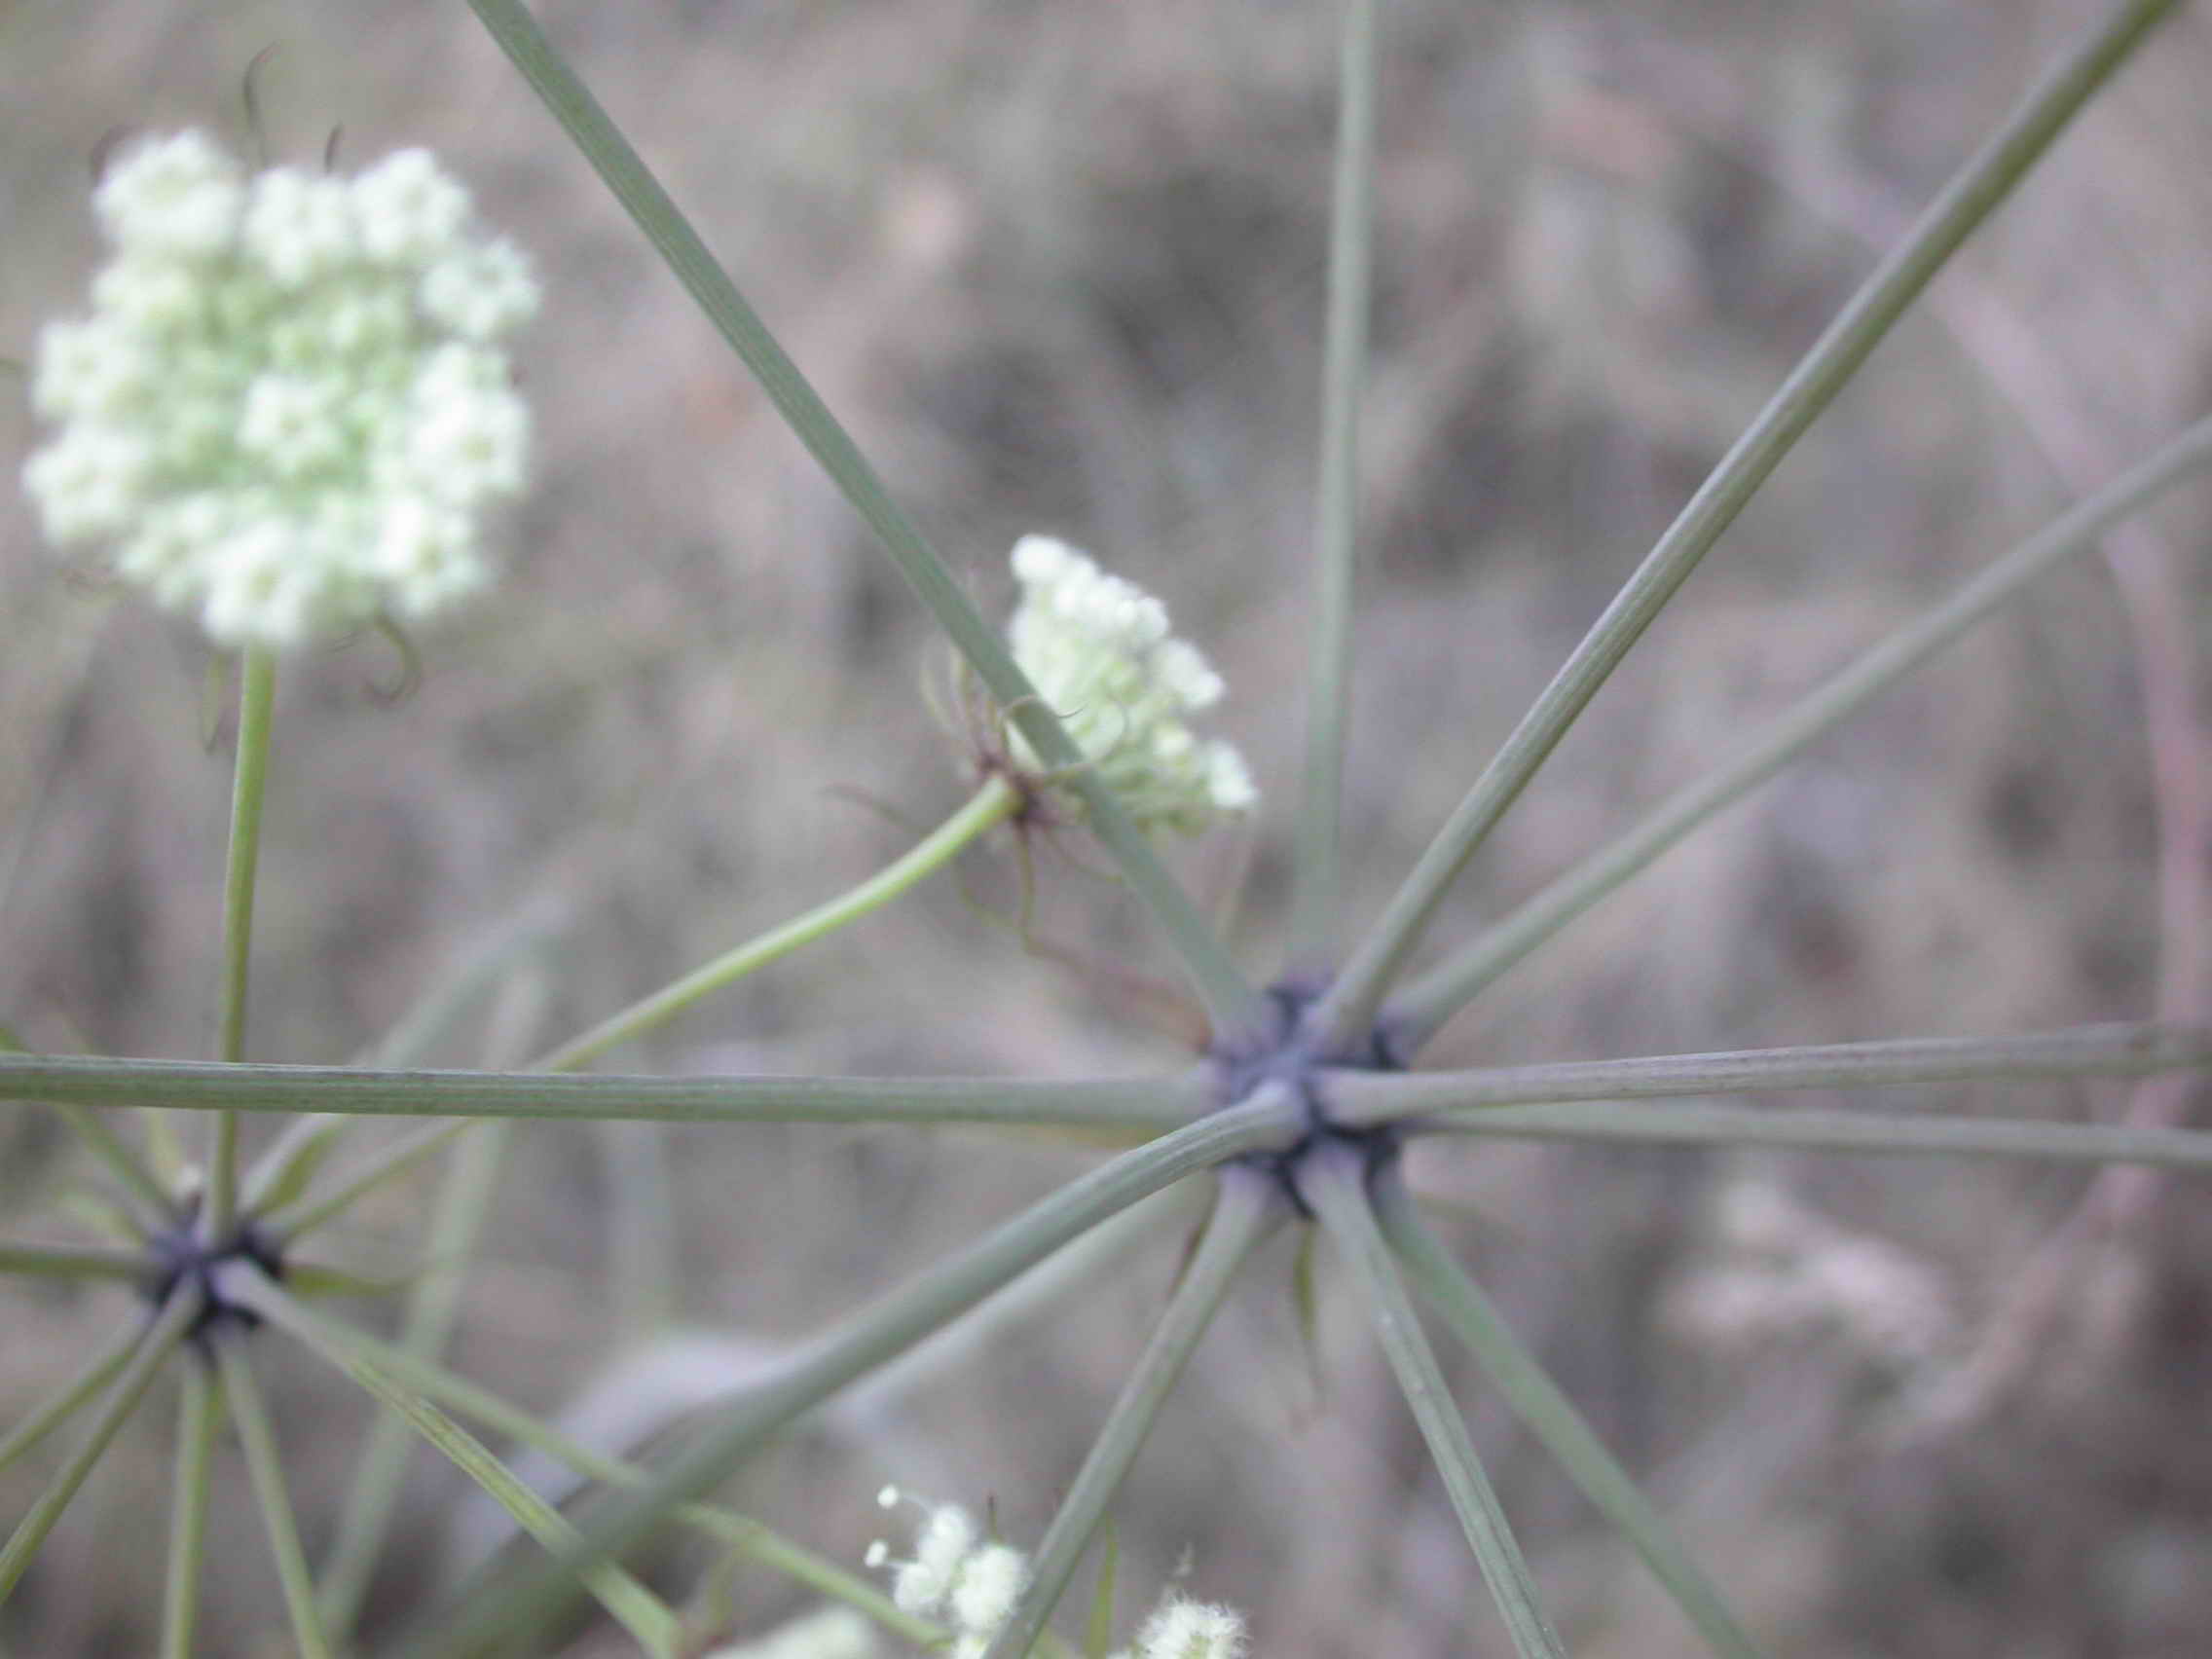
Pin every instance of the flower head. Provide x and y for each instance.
(1098, 650)
(290, 405)
(954, 1572)
(1183, 1628)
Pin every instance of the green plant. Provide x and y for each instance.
(1311, 1106)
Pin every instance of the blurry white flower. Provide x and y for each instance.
(290, 403)
(1183, 1628)
(954, 1572)
(1098, 651)
(827, 1633)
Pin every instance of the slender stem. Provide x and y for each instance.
(200, 1415)
(639, 1612)
(1538, 1402)
(1362, 1099)
(991, 805)
(1315, 873)
(257, 701)
(52, 1413)
(1414, 1016)
(1232, 1002)
(264, 1465)
(347, 1345)
(288, 1224)
(72, 1261)
(879, 1334)
(153, 1206)
(1248, 1207)
(1122, 1103)
(1333, 1179)
(431, 1311)
(153, 1347)
(1349, 1007)
(1837, 1132)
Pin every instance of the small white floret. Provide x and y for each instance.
(1182, 1629)
(990, 1584)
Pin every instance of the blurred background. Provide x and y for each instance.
(1060, 268)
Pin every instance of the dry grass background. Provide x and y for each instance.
(1060, 267)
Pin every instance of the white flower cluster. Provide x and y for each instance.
(291, 404)
(1098, 651)
(956, 1571)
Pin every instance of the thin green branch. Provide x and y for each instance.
(1316, 873)
(72, 1261)
(1835, 1131)
(1360, 1100)
(431, 1311)
(257, 703)
(990, 806)
(1122, 1103)
(1414, 1016)
(433, 1381)
(154, 1346)
(1228, 998)
(642, 1613)
(1333, 1179)
(1551, 1416)
(52, 1413)
(875, 1336)
(199, 1417)
(1247, 1208)
(152, 1207)
(1349, 1007)
(265, 1467)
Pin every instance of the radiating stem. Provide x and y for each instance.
(1538, 1402)
(1835, 1131)
(641, 1612)
(1414, 1015)
(1348, 1009)
(1366, 1098)
(879, 1334)
(1132, 1104)
(348, 1346)
(990, 806)
(257, 700)
(1333, 1179)
(1316, 875)
(153, 1346)
(264, 1465)
(198, 1420)
(152, 1207)
(431, 1311)
(1248, 1206)
(1232, 1002)
(72, 1261)
(66, 1402)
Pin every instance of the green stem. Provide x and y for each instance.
(642, 1613)
(1537, 1401)
(990, 806)
(1333, 1179)
(154, 1207)
(65, 1403)
(350, 1346)
(72, 1261)
(1414, 1016)
(200, 1415)
(257, 700)
(877, 1335)
(153, 1347)
(1232, 1002)
(1146, 1104)
(1348, 1009)
(1315, 871)
(1837, 1132)
(265, 1467)
(1245, 1210)
(1363, 1099)
(431, 1311)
